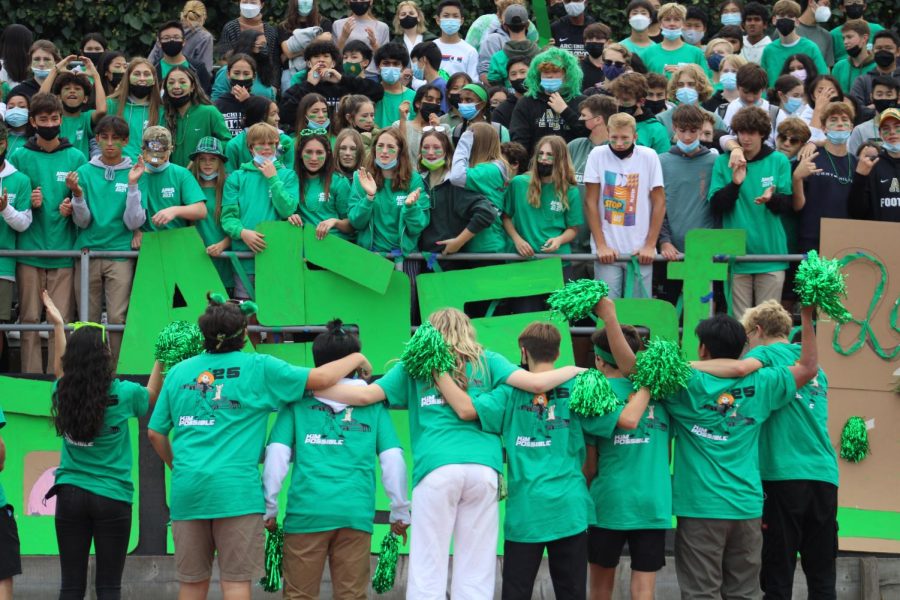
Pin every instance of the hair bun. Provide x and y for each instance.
(335, 326)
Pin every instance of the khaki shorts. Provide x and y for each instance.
(238, 541)
(6, 299)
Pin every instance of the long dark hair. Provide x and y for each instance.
(82, 393)
(198, 96)
(324, 174)
(14, 45)
(246, 44)
(294, 20)
(256, 110)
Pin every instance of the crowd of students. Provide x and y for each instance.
(485, 142)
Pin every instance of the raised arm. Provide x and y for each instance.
(459, 168)
(59, 333)
(154, 384)
(621, 351)
(541, 382)
(630, 417)
(808, 365)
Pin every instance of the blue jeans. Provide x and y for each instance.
(614, 276)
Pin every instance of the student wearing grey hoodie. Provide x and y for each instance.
(107, 208)
(508, 42)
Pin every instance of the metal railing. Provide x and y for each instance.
(84, 257)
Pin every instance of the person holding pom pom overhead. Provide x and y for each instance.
(218, 404)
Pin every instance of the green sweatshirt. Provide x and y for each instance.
(315, 207)
(653, 134)
(173, 186)
(550, 219)
(199, 121)
(387, 223)
(846, 73)
(106, 191)
(237, 152)
(250, 199)
(77, 129)
(17, 188)
(775, 54)
(49, 230)
(837, 38)
(138, 118)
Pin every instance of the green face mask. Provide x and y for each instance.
(352, 69)
(433, 165)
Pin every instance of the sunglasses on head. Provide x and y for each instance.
(790, 139)
(613, 63)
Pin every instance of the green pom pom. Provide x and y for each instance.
(819, 282)
(854, 440)
(577, 299)
(178, 341)
(427, 351)
(386, 569)
(592, 395)
(661, 368)
(218, 298)
(271, 581)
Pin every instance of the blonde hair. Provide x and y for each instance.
(562, 177)
(485, 145)
(735, 60)
(261, 133)
(704, 88)
(621, 121)
(787, 8)
(711, 46)
(360, 150)
(617, 47)
(420, 28)
(770, 317)
(668, 9)
(194, 13)
(459, 333)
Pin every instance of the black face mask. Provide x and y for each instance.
(517, 27)
(47, 132)
(884, 104)
(558, 10)
(629, 110)
(409, 21)
(359, 8)
(94, 57)
(116, 78)
(785, 26)
(518, 85)
(179, 101)
(244, 83)
(544, 170)
(854, 52)
(429, 108)
(655, 106)
(453, 99)
(171, 48)
(140, 91)
(594, 49)
(855, 11)
(622, 154)
(885, 58)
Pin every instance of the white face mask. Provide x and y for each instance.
(639, 22)
(823, 13)
(575, 9)
(250, 11)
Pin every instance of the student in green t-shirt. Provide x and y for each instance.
(456, 464)
(797, 462)
(544, 444)
(332, 449)
(208, 169)
(324, 194)
(640, 15)
(189, 115)
(74, 90)
(391, 59)
(717, 492)
(785, 16)
(216, 406)
(93, 483)
(752, 197)
(672, 52)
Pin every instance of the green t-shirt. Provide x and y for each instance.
(489, 180)
(497, 68)
(544, 453)
(765, 233)
(138, 118)
(200, 121)
(846, 72)
(633, 487)
(653, 134)
(77, 129)
(315, 207)
(106, 201)
(166, 67)
(717, 424)
(837, 39)
(334, 457)
(656, 58)
(639, 50)
(17, 188)
(387, 110)
(550, 219)
(386, 223)
(237, 152)
(14, 142)
(2, 493)
(173, 186)
(775, 54)
(794, 443)
(438, 436)
(211, 232)
(219, 407)
(49, 230)
(103, 466)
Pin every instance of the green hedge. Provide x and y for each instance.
(129, 25)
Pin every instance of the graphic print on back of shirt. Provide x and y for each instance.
(620, 195)
(334, 425)
(728, 406)
(641, 434)
(543, 408)
(209, 397)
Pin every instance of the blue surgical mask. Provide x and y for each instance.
(714, 61)
(467, 110)
(728, 81)
(390, 75)
(314, 125)
(671, 34)
(889, 147)
(40, 74)
(837, 138)
(612, 71)
(209, 176)
(792, 105)
(551, 84)
(156, 168)
(688, 148)
(386, 166)
(692, 36)
(730, 19)
(259, 159)
(687, 95)
(16, 117)
(450, 26)
(304, 7)
(417, 71)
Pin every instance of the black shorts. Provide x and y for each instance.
(647, 548)
(10, 558)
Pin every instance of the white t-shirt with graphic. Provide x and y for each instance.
(460, 57)
(625, 187)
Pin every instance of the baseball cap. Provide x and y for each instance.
(891, 113)
(515, 14)
(157, 137)
(209, 145)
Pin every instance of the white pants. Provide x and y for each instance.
(458, 501)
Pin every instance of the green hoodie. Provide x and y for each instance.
(17, 188)
(653, 134)
(237, 152)
(315, 207)
(138, 118)
(249, 199)
(387, 223)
